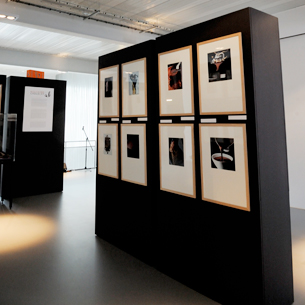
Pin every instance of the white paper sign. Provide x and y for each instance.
(38, 109)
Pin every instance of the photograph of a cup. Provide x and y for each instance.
(222, 161)
(222, 153)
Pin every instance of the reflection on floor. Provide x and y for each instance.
(63, 262)
(298, 254)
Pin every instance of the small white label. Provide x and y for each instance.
(126, 121)
(185, 118)
(213, 120)
(142, 119)
(237, 117)
(115, 119)
(102, 121)
(166, 121)
(222, 76)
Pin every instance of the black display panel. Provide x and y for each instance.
(39, 156)
(222, 251)
(124, 210)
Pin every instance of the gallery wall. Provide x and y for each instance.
(204, 241)
(292, 34)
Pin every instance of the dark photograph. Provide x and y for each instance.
(174, 76)
(133, 148)
(108, 86)
(176, 151)
(134, 83)
(220, 65)
(222, 153)
(107, 147)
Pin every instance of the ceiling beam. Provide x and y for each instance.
(63, 23)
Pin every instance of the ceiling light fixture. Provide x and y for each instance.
(97, 15)
(9, 17)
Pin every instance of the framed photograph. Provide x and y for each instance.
(221, 76)
(224, 165)
(133, 153)
(177, 159)
(109, 92)
(176, 82)
(108, 150)
(134, 93)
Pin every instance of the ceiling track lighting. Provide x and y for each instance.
(90, 14)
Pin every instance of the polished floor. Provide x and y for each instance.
(49, 255)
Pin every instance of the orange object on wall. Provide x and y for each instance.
(34, 74)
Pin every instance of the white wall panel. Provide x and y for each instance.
(294, 98)
(43, 61)
(81, 111)
(292, 23)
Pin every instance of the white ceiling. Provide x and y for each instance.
(23, 38)
(156, 16)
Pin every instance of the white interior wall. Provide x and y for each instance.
(10, 70)
(81, 105)
(81, 114)
(294, 97)
(38, 61)
(292, 33)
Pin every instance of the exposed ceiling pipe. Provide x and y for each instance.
(91, 13)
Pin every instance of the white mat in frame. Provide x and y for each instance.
(133, 153)
(108, 150)
(109, 91)
(134, 88)
(221, 91)
(224, 183)
(176, 99)
(177, 165)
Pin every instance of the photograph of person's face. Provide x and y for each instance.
(133, 148)
(176, 151)
(174, 76)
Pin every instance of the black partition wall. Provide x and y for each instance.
(124, 211)
(2, 92)
(235, 253)
(39, 157)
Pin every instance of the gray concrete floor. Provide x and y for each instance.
(49, 254)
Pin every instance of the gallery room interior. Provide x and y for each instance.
(151, 152)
